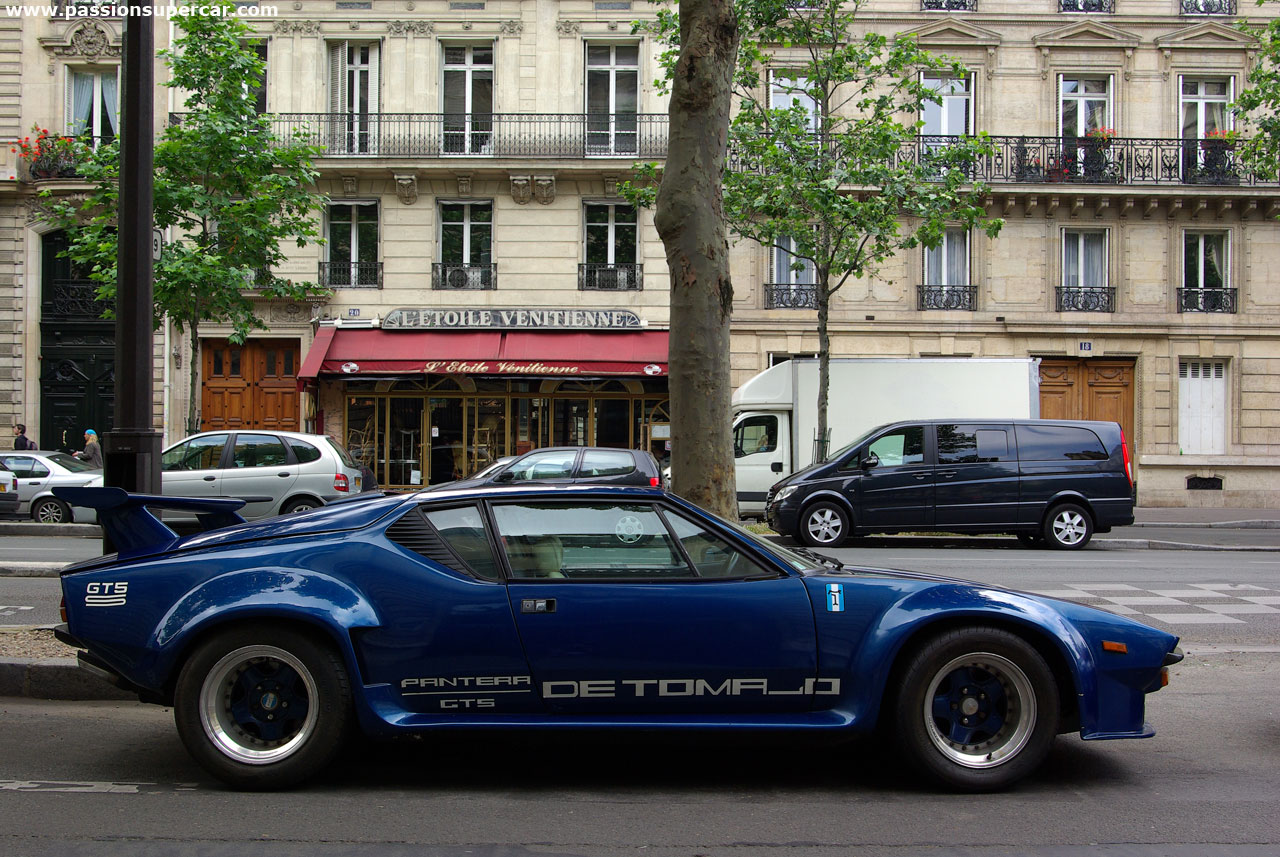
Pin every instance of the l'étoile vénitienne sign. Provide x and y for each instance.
(461, 318)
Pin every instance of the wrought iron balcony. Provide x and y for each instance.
(947, 297)
(1104, 6)
(1115, 161)
(351, 275)
(479, 135)
(617, 277)
(788, 296)
(1085, 299)
(1206, 300)
(948, 5)
(1208, 7)
(454, 276)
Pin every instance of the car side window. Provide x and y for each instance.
(20, 465)
(899, 447)
(463, 530)
(554, 464)
(304, 451)
(1055, 443)
(597, 462)
(258, 450)
(969, 444)
(588, 541)
(755, 434)
(199, 453)
(712, 556)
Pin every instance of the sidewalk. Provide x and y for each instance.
(53, 675)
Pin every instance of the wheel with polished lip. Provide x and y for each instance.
(977, 709)
(263, 708)
(51, 511)
(1068, 527)
(299, 504)
(824, 524)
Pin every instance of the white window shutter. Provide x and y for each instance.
(337, 77)
(1202, 407)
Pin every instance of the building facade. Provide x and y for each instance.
(492, 292)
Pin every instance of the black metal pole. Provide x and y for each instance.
(132, 448)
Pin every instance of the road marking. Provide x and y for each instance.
(60, 786)
(1195, 619)
(11, 610)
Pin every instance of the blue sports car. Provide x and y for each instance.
(576, 607)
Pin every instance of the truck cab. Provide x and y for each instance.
(762, 456)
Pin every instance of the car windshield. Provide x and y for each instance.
(66, 462)
(797, 561)
(849, 447)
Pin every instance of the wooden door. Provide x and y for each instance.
(250, 386)
(1072, 389)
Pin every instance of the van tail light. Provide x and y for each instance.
(341, 483)
(1128, 462)
(654, 482)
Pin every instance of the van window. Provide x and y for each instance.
(1055, 443)
(904, 446)
(967, 444)
(755, 434)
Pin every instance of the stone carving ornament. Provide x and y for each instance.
(306, 28)
(521, 190)
(544, 189)
(418, 28)
(89, 42)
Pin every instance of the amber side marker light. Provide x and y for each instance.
(1118, 648)
(1164, 677)
(62, 609)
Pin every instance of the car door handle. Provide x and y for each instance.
(919, 476)
(210, 478)
(284, 473)
(777, 467)
(947, 474)
(537, 605)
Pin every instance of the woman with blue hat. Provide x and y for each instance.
(92, 452)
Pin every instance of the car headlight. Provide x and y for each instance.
(784, 492)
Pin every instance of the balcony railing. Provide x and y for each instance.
(1085, 299)
(616, 277)
(351, 275)
(1206, 300)
(1208, 7)
(488, 135)
(788, 296)
(947, 297)
(455, 276)
(948, 5)
(1103, 6)
(1116, 161)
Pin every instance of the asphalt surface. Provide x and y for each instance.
(40, 550)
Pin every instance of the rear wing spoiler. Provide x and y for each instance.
(133, 527)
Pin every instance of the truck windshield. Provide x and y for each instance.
(860, 439)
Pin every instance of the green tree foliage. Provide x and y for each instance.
(1259, 103)
(229, 191)
(839, 177)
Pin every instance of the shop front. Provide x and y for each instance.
(435, 395)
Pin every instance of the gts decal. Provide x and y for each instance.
(105, 594)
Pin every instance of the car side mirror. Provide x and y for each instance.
(504, 476)
(872, 460)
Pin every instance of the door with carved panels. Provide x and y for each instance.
(1072, 389)
(251, 385)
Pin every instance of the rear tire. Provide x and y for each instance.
(300, 504)
(263, 708)
(51, 511)
(1068, 527)
(824, 525)
(977, 710)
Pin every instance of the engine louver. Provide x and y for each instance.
(413, 533)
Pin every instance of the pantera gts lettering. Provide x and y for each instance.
(105, 594)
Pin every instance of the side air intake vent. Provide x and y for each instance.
(413, 533)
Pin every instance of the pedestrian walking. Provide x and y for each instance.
(20, 440)
(92, 452)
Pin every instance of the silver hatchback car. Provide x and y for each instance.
(274, 472)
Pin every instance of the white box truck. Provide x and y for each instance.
(775, 414)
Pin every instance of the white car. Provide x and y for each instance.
(38, 472)
(8, 491)
(274, 472)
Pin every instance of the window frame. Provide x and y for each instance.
(1081, 98)
(353, 260)
(944, 97)
(1106, 257)
(611, 231)
(468, 225)
(943, 250)
(97, 108)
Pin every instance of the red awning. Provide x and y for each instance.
(338, 351)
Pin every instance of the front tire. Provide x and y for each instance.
(51, 511)
(977, 710)
(261, 708)
(824, 525)
(1068, 527)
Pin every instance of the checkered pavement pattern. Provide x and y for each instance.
(1194, 604)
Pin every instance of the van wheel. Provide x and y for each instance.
(1068, 527)
(824, 525)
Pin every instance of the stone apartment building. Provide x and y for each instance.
(493, 293)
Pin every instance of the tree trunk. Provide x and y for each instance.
(690, 220)
(823, 288)
(193, 374)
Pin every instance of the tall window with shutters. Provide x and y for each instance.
(355, 79)
(1202, 407)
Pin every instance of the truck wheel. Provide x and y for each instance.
(1068, 527)
(263, 708)
(978, 709)
(824, 525)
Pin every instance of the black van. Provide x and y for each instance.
(1051, 481)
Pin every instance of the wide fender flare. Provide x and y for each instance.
(267, 594)
(910, 620)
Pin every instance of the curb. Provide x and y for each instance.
(32, 569)
(31, 528)
(1223, 525)
(54, 678)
